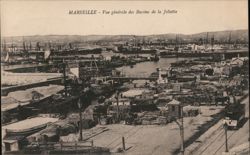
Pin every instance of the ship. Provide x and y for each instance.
(155, 58)
(127, 49)
(70, 52)
(100, 86)
(102, 89)
(168, 54)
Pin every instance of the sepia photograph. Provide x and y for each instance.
(165, 77)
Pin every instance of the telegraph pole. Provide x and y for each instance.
(181, 126)
(182, 132)
(225, 127)
(117, 106)
(64, 78)
(80, 114)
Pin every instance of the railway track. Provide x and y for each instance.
(126, 137)
(228, 137)
(215, 143)
(117, 141)
(211, 142)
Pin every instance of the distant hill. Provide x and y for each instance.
(218, 35)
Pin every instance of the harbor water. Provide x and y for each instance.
(146, 68)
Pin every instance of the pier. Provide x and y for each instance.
(133, 77)
(6, 90)
(226, 54)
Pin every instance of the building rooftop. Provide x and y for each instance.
(174, 102)
(23, 97)
(133, 92)
(28, 123)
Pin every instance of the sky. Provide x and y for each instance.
(22, 18)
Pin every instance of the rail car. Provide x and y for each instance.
(234, 115)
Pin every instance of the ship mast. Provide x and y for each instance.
(176, 41)
(207, 40)
(134, 41)
(93, 68)
(212, 42)
(49, 45)
(229, 40)
(30, 46)
(24, 47)
(5, 50)
(143, 41)
(4, 46)
(38, 46)
(12, 47)
(70, 46)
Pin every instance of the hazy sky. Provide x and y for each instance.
(51, 17)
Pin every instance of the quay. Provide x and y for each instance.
(226, 54)
(128, 78)
(26, 67)
(6, 90)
